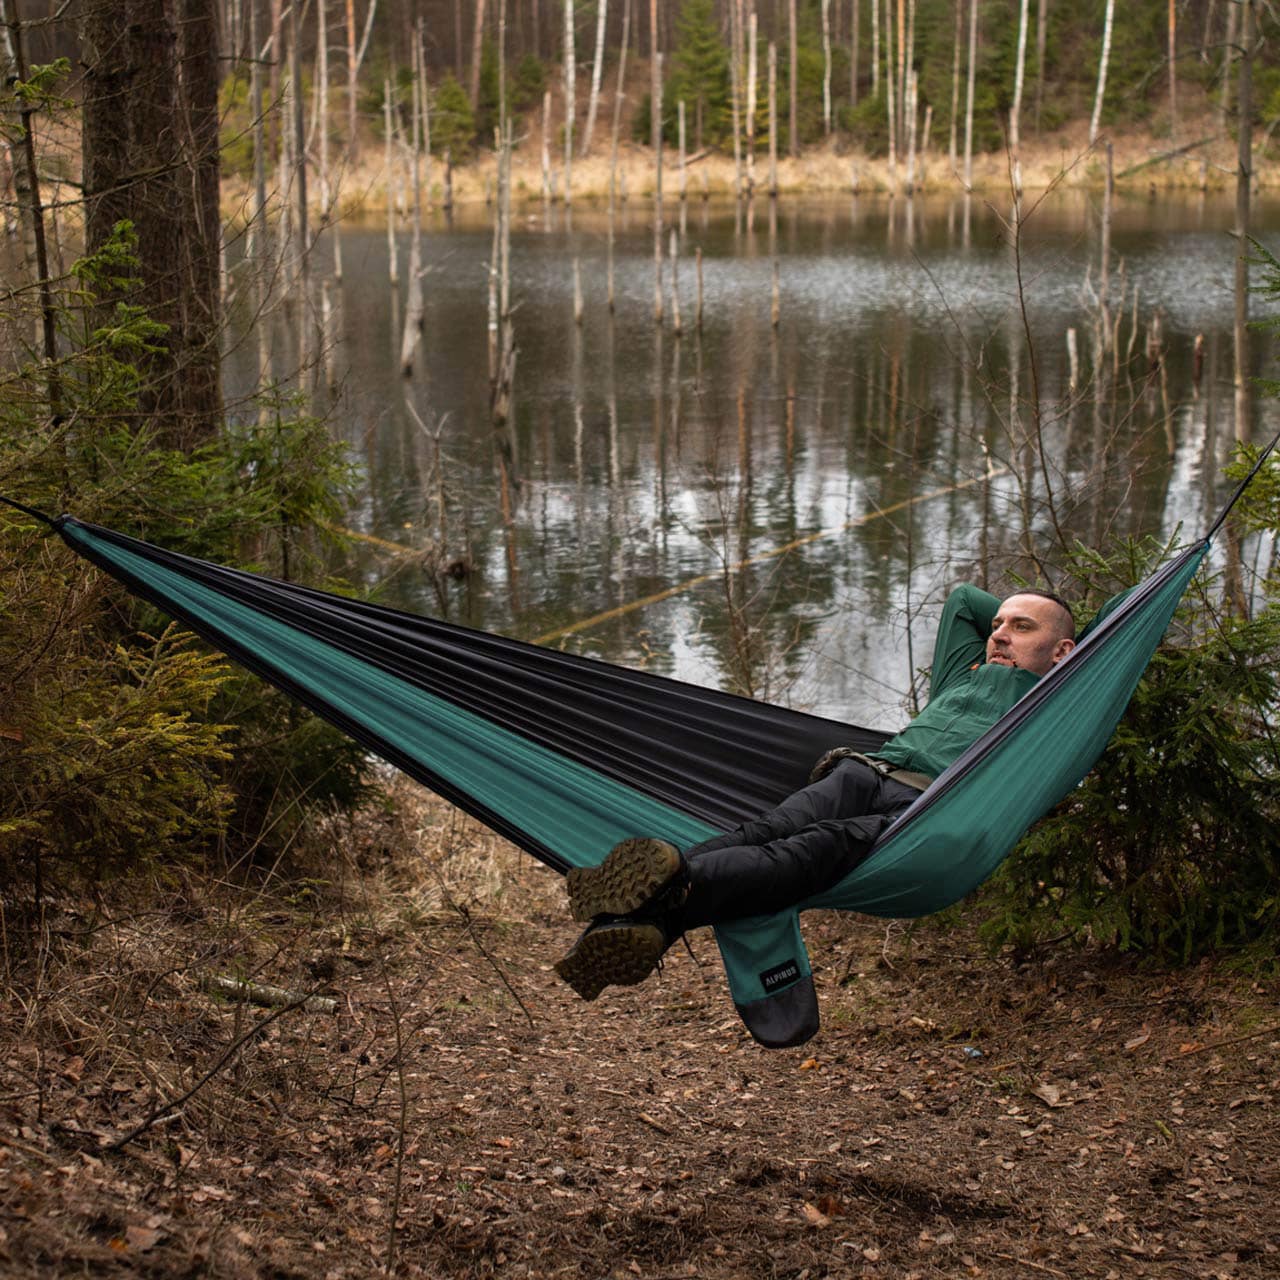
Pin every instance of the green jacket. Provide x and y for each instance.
(966, 695)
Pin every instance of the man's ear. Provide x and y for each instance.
(1062, 648)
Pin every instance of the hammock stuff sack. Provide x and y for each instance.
(566, 755)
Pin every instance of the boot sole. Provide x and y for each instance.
(611, 955)
(634, 871)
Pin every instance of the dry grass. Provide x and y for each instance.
(1063, 157)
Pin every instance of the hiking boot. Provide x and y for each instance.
(636, 873)
(615, 953)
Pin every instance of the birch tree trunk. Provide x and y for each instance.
(655, 126)
(955, 85)
(968, 100)
(773, 118)
(1103, 59)
(392, 185)
(353, 144)
(1042, 38)
(826, 67)
(736, 75)
(597, 67)
(1019, 74)
(890, 99)
(901, 85)
(793, 96)
(322, 123)
(613, 141)
(1244, 178)
(570, 80)
(875, 47)
(753, 68)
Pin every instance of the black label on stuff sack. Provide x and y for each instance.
(779, 975)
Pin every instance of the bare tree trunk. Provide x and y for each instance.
(477, 49)
(570, 79)
(736, 73)
(955, 85)
(1042, 37)
(547, 184)
(968, 100)
(656, 138)
(890, 98)
(875, 46)
(854, 31)
(901, 104)
(299, 140)
(597, 68)
(257, 110)
(1103, 58)
(32, 211)
(826, 67)
(793, 95)
(1244, 179)
(753, 76)
(680, 140)
(12, 58)
(1019, 74)
(613, 141)
(353, 143)
(1228, 52)
(393, 264)
(1173, 73)
(773, 119)
(327, 210)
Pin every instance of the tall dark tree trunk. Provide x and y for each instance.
(201, 295)
(151, 158)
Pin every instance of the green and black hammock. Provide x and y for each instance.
(566, 755)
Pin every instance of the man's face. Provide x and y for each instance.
(1029, 632)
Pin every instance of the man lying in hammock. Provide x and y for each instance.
(646, 893)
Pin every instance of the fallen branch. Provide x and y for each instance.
(269, 997)
(1164, 155)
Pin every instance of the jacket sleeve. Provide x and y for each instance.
(962, 634)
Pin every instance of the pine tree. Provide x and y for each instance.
(701, 74)
(453, 125)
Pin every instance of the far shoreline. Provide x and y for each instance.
(1142, 162)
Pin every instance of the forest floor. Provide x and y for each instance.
(462, 1114)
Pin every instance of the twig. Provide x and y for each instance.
(158, 1113)
(654, 1124)
(1222, 1044)
(1035, 1266)
(497, 968)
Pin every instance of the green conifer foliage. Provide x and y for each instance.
(453, 124)
(700, 76)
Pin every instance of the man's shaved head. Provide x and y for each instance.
(1032, 630)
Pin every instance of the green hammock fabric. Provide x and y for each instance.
(568, 756)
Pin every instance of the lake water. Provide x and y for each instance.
(781, 510)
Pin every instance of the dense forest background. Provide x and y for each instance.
(867, 74)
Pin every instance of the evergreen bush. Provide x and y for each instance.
(121, 742)
(1172, 842)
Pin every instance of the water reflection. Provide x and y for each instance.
(904, 424)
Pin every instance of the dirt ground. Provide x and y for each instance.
(461, 1113)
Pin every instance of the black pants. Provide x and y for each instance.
(812, 840)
